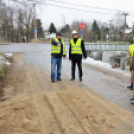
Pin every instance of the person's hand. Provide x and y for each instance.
(64, 58)
(58, 45)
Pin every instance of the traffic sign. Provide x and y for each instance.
(82, 25)
(81, 32)
(35, 30)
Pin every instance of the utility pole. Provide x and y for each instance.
(110, 30)
(101, 34)
(35, 22)
(125, 14)
(63, 21)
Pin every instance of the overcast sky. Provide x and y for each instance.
(50, 14)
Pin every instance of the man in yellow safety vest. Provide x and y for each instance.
(76, 51)
(57, 52)
(129, 56)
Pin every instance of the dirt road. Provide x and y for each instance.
(33, 105)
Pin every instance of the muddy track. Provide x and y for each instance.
(36, 106)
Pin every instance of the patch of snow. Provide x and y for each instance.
(51, 36)
(8, 63)
(105, 66)
(9, 55)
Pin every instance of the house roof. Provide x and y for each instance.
(128, 30)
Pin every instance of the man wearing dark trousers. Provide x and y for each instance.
(57, 52)
(76, 50)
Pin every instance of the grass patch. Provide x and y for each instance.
(38, 41)
(2, 64)
(3, 41)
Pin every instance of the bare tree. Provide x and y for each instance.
(16, 21)
(3, 18)
(28, 22)
(118, 20)
(10, 17)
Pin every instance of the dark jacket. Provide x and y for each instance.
(77, 56)
(54, 42)
(132, 63)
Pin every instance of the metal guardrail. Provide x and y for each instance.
(107, 47)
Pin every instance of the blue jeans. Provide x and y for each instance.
(56, 61)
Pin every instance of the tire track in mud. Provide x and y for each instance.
(50, 122)
(45, 108)
(103, 102)
(34, 86)
(96, 115)
(57, 118)
(67, 120)
(81, 117)
(76, 115)
(51, 107)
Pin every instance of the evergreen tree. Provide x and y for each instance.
(52, 28)
(95, 27)
(65, 29)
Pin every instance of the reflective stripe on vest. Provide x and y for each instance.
(56, 49)
(76, 48)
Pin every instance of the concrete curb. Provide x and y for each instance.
(4, 44)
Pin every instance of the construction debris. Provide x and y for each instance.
(116, 65)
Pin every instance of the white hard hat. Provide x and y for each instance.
(74, 32)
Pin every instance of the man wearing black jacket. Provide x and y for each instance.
(57, 52)
(76, 50)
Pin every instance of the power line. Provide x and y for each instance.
(81, 6)
(88, 6)
(71, 8)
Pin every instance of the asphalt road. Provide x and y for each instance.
(26, 47)
(110, 87)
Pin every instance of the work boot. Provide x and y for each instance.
(53, 81)
(131, 86)
(59, 79)
(72, 79)
(80, 79)
(132, 100)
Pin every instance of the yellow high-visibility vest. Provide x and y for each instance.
(131, 50)
(56, 49)
(76, 48)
